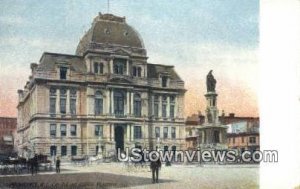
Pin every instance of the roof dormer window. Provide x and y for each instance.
(164, 81)
(119, 66)
(137, 71)
(63, 72)
(98, 68)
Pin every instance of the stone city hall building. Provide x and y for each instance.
(105, 97)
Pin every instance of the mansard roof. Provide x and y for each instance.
(48, 61)
(155, 70)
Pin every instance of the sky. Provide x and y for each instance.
(194, 36)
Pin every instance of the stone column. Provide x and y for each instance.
(57, 105)
(127, 67)
(68, 102)
(132, 132)
(112, 132)
(128, 132)
(168, 106)
(107, 101)
(160, 106)
(131, 102)
(175, 107)
(112, 101)
(111, 66)
(128, 102)
(152, 104)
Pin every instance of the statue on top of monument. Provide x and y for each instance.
(210, 82)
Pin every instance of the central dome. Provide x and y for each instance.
(112, 30)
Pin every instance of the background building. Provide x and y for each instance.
(8, 127)
(242, 132)
(107, 96)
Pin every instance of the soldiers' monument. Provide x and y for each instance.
(212, 134)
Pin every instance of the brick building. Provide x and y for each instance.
(242, 132)
(106, 96)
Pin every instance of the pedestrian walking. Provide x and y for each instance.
(36, 163)
(155, 167)
(57, 165)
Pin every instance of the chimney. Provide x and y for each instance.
(231, 115)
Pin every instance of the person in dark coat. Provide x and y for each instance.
(57, 165)
(155, 166)
(31, 163)
(36, 163)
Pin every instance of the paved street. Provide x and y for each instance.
(117, 175)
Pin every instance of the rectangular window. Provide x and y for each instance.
(62, 105)
(172, 107)
(165, 132)
(52, 130)
(52, 105)
(98, 130)
(173, 132)
(252, 140)
(63, 130)
(164, 110)
(157, 132)
(73, 130)
(63, 150)
(164, 80)
(137, 108)
(242, 139)
(73, 150)
(137, 132)
(73, 106)
(53, 150)
(63, 72)
(98, 106)
(233, 140)
(156, 109)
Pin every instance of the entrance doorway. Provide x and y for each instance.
(119, 137)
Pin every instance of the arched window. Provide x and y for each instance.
(118, 103)
(98, 68)
(52, 101)
(63, 100)
(156, 105)
(98, 103)
(172, 106)
(73, 96)
(134, 71)
(101, 68)
(137, 105)
(119, 66)
(95, 67)
(139, 72)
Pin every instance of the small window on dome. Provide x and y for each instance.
(125, 33)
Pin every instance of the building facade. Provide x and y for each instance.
(243, 133)
(8, 127)
(105, 97)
